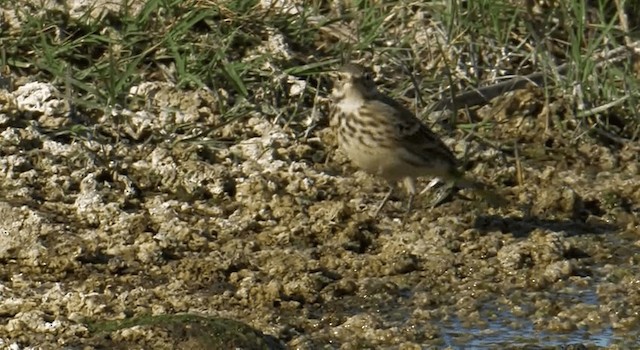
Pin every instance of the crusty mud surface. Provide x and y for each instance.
(276, 231)
(262, 235)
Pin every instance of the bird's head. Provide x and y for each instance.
(353, 81)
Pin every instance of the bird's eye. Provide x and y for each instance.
(367, 76)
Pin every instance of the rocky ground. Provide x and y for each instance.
(123, 234)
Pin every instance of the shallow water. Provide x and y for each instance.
(505, 330)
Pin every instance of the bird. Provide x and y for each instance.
(382, 137)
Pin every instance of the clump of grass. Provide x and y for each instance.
(430, 51)
(498, 39)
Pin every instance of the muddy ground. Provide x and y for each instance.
(276, 232)
(262, 236)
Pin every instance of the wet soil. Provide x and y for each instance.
(276, 231)
(262, 236)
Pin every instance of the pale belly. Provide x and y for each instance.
(382, 161)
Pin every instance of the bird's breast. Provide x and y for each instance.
(365, 147)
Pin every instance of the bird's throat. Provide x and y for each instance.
(350, 104)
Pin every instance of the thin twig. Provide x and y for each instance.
(519, 172)
(604, 107)
(624, 23)
(486, 93)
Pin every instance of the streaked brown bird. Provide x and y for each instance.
(384, 138)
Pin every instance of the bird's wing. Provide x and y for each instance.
(413, 135)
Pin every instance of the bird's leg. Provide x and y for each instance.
(410, 185)
(384, 200)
